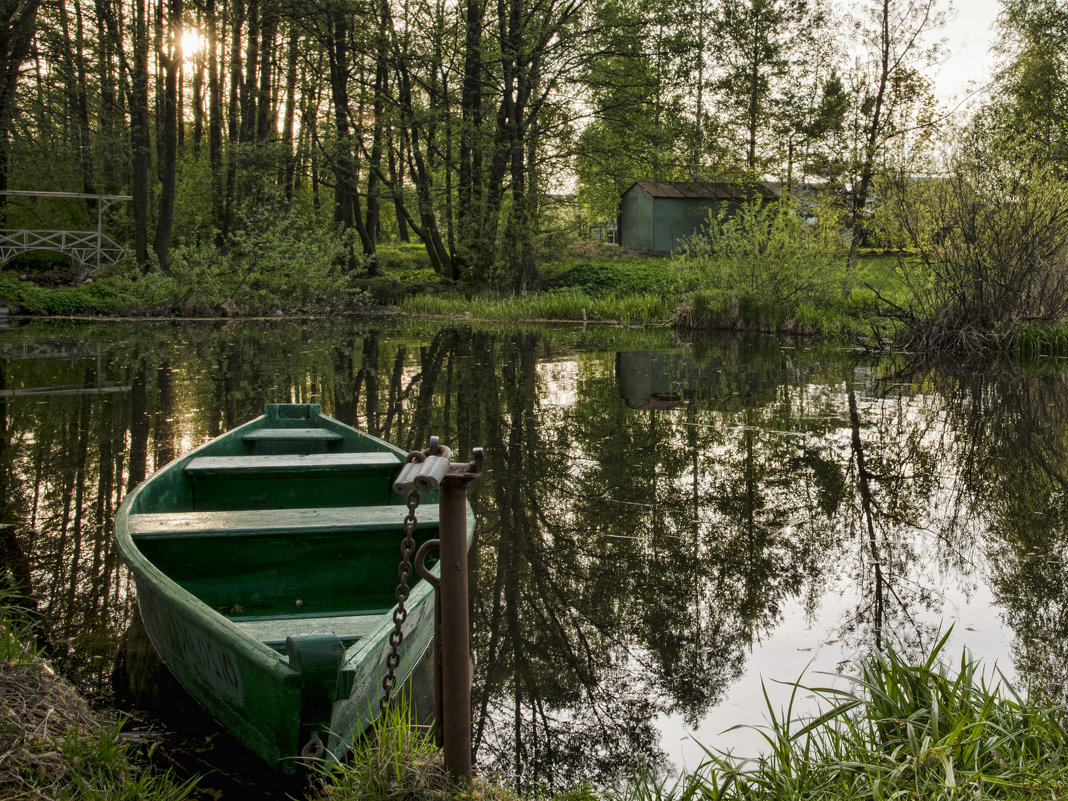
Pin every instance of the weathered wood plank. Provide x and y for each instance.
(274, 521)
(301, 434)
(308, 464)
(275, 630)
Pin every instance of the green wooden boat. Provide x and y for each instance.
(266, 564)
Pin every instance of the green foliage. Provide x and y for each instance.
(407, 256)
(762, 268)
(15, 646)
(1037, 340)
(600, 277)
(401, 763)
(97, 297)
(283, 261)
(991, 246)
(101, 767)
(902, 731)
(768, 254)
(1033, 87)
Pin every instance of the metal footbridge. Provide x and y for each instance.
(87, 249)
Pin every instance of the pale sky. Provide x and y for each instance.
(969, 34)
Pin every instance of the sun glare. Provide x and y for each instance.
(191, 41)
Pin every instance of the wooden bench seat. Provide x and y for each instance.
(273, 631)
(292, 434)
(250, 522)
(307, 465)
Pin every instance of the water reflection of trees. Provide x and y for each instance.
(628, 555)
(1017, 473)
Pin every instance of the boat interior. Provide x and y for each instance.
(289, 522)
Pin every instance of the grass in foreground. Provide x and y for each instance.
(401, 763)
(51, 745)
(901, 732)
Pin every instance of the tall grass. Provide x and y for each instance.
(400, 762)
(639, 309)
(899, 731)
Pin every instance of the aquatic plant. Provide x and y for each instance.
(898, 731)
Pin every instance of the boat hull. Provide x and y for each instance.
(281, 650)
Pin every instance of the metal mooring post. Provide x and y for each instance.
(453, 636)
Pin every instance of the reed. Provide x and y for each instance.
(899, 731)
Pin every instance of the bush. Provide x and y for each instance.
(991, 249)
(766, 255)
(616, 276)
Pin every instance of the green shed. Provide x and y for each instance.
(659, 216)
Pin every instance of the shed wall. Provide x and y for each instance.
(677, 219)
(636, 213)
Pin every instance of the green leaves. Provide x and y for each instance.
(898, 730)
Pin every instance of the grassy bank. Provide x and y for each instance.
(599, 284)
(901, 731)
(898, 730)
(52, 746)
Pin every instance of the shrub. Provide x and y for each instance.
(767, 255)
(991, 249)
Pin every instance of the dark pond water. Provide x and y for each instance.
(660, 525)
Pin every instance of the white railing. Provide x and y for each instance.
(89, 249)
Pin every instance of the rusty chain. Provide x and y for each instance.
(400, 614)
(311, 757)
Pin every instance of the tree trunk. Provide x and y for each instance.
(469, 171)
(288, 154)
(396, 181)
(374, 164)
(77, 100)
(170, 57)
(248, 88)
(215, 114)
(233, 120)
(345, 213)
(111, 121)
(199, 64)
(867, 168)
(140, 142)
(411, 130)
(265, 123)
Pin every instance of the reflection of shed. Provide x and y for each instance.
(662, 379)
(659, 217)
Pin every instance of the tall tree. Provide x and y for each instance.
(895, 35)
(170, 58)
(18, 22)
(1032, 99)
(756, 41)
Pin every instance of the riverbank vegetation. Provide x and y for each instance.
(898, 730)
(289, 160)
(51, 744)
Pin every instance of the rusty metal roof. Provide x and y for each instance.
(720, 190)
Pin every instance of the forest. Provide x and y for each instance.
(281, 145)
